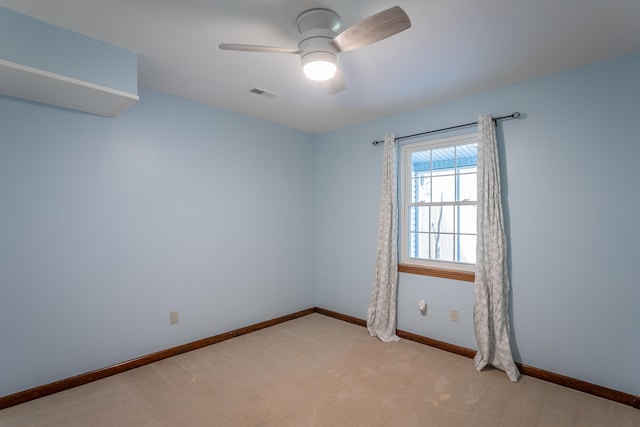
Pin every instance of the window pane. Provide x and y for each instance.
(467, 220)
(419, 245)
(421, 161)
(421, 188)
(443, 188)
(442, 247)
(468, 185)
(423, 246)
(419, 219)
(441, 219)
(467, 155)
(467, 249)
(443, 158)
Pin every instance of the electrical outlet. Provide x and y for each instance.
(455, 316)
(173, 317)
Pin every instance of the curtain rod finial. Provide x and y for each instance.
(516, 115)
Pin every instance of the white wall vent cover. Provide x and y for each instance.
(263, 92)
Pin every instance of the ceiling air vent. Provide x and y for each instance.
(263, 93)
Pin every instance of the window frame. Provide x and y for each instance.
(447, 269)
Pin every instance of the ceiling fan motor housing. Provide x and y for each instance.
(317, 41)
(317, 28)
(319, 18)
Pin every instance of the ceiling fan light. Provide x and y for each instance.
(319, 65)
(320, 70)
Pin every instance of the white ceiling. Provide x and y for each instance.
(454, 48)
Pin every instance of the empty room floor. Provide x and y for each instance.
(317, 371)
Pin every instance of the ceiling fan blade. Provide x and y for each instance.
(372, 29)
(256, 48)
(335, 84)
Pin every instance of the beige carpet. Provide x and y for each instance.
(318, 371)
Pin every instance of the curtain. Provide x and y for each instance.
(491, 308)
(381, 315)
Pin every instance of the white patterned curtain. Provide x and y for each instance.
(491, 309)
(381, 315)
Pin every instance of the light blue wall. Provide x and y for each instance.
(34, 43)
(570, 174)
(108, 225)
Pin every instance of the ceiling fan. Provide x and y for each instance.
(320, 42)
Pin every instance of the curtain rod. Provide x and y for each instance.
(495, 119)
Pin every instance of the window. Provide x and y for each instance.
(438, 199)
